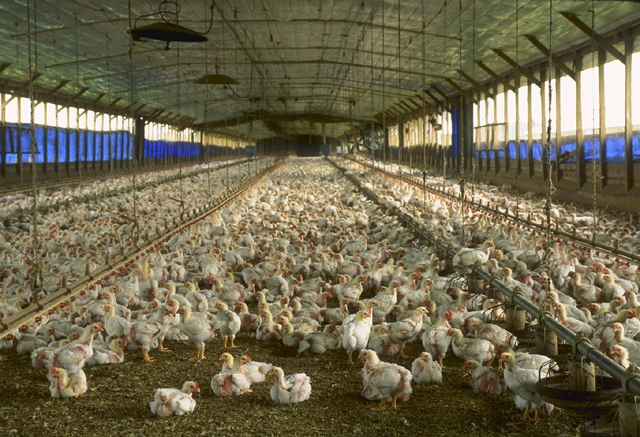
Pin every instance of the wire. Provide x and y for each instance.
(37, 280)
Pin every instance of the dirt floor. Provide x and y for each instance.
(117, 401)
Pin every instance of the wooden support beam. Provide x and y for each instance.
(135, 111)
(573, 18)
(443, 94)
(4, 66)
(529, 133)
(517, 66)
(487, 92)
(556, 61)
(580, 167)
(112, 104)
(602, 58)
(558, 94)
(504, 82)
(96, 100)
(20, 89)
(463, 92)
(53, 91)
(628, 127)
(435, 99)
(73, 99)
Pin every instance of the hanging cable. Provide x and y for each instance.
(384, 94)
(595, 171)
(550, 188)
(37, 277)
(460, 110)
(473, 75)
(135, 230)
(444, 57)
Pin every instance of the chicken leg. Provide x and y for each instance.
(145, 356)
(395, 402)
(383, 404)
(440, 361)
(233, 346)
(350, 359)
(162, 348)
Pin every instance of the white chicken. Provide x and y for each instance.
(292, 389)
(483, 379)
(197, 328)
(523, 383)
(65, 385)
(467, 257)
(232, 380)
(384, 381)
(476, 349)
(320, 342)
(355, 335)
(425, 371)
(255, 370)
(406, 330)
(172, 402)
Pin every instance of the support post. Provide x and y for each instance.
(580, 168)
(602, 57)
(628, 127)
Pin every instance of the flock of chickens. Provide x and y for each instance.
(323, 269)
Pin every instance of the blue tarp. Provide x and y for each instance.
(70, 142)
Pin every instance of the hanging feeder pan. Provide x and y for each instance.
(216, 79)
(163, 31)
(554, 389)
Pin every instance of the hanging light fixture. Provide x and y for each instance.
(166, 30)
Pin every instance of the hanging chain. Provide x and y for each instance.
(135, 230)
(473, 75)
(459, 122)
(550, 188)
(595, 170)
(37, 278)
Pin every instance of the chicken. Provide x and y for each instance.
(114, 354)
(228, 323)
(380, 342)
(255, 370)
(292, 389)
(620, 355)
(67, 384)
(73, 356)
(603, 335)
(172, 402)
(471, 348)
(291, 337)
(526, 360)
(425, 371)
(468, 257)
(336, 315)
(574, 325)
(319, 342)
(384, 381)
(435, 339)
(491, 332)
(483, 379)
(145, 332)
(197, 328)
(523, 383)
(232, 380)
(267, 330)
(406, 330)
(355, 335)
(248, 322)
